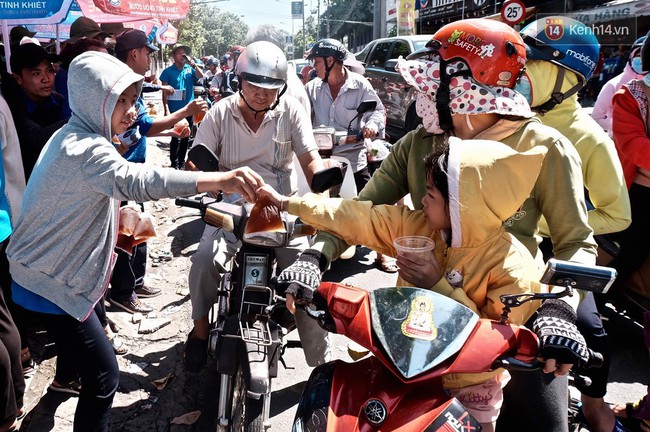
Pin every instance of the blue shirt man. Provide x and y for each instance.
(181, 76)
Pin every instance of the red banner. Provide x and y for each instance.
(161, 9)
(91, 11)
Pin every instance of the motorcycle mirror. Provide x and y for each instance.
(326, 179)
(363, 108)
(204, 158)
(594, 278)
(366, 106)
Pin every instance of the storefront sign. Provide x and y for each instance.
(406, 17)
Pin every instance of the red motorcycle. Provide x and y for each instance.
(416, 336)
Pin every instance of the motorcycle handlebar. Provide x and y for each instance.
(188, 202)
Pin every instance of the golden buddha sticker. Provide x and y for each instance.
(419, 323)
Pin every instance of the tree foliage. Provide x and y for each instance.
(342, 17)
(209, 31)
(345, 20)
(310, 37)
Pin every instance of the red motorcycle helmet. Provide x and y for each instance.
(494, 52)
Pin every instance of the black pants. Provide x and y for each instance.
(535, 401)
(12, 382)
(21, 316)
(178, 148)
(635, 240)
(361, 178)
(591, 326)
(85, 345)
(128, 273)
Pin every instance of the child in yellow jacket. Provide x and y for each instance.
(472, 187)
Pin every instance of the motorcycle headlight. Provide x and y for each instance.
(271, 239)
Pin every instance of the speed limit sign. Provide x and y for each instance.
(512, 11)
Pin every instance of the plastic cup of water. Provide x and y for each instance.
(413, 245)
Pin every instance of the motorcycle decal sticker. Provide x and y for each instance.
(454, 418)
(419, 322)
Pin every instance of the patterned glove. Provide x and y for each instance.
(558, 335)
(302, 277)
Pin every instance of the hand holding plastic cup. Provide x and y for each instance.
(414, 246)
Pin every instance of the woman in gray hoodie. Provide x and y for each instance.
(61, 252)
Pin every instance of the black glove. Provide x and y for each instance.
(558, 335)
(303, 277)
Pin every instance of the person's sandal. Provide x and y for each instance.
(387, 264)
(119, 347)
(27, 362)
(72, 388)
(629, 409)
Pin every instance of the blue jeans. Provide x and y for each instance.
(85, 345)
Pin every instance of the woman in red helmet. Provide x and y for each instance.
(465, 77)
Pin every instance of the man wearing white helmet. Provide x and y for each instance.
(260, 128)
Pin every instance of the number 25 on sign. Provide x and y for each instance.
(513, 12)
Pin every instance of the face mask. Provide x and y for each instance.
(636, 65)
(525, 88)
(425, 107)
(646, 80)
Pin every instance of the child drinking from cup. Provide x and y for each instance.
(472, 187)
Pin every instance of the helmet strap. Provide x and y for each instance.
(443, 97)
(273, 105)
(557, 97)
(327, 69)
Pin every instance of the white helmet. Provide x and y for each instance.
(262, 64)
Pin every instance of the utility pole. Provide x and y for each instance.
(379, 19)
(318, 21)
(304, 31)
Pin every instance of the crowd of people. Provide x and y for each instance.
(505, 171)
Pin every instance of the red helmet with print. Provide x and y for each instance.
(494, 52)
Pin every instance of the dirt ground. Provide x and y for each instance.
(140, 404)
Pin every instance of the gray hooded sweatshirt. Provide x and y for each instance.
(62, 245)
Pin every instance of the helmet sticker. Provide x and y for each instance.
(554, 28)
(419, 322)
(471, 43)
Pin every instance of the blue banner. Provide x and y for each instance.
(48, 31)
(24, 11)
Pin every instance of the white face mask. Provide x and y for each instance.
(636, 65)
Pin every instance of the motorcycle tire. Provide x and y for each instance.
(247, 414)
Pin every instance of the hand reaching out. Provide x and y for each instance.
(243, 181)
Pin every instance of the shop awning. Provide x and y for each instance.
(613, 11)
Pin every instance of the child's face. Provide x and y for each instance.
(435, 209)
(124, 113)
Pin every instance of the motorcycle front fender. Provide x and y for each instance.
(312, 410)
